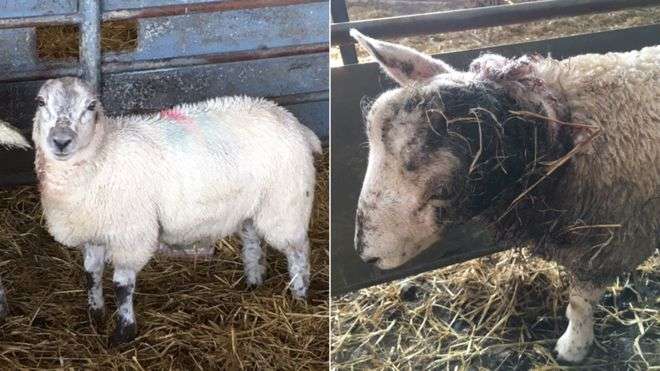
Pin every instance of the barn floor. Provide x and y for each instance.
(191, 314)
(503, 312)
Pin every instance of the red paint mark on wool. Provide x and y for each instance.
(176, 116)
(181, 118)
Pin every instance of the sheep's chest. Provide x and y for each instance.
(69, 220)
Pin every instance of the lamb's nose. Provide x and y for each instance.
(61, 143)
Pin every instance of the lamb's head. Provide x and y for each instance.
(66, 119)
(433, 145)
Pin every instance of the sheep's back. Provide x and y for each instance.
(616, 182)
(219, 161)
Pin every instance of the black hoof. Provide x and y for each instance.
(123, 335)
(97, 318)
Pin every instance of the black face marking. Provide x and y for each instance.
(386, 127)
(396, 108)
(359, 227)
(411, 103)
(420, 149)
(508, 149)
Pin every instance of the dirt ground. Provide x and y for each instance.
(502, 312)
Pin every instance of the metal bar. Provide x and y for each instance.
(115, 66)
(90, 42)
(314, 96)
(112, 66)
(468, 19)
(148, 12)
(340, 14)
(208, 7)
(50, 20)
(49, 72)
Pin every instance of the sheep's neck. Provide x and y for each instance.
(510, 185)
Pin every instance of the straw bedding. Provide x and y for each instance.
(191, 314)
(500, 312)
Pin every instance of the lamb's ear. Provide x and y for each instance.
(405, 65)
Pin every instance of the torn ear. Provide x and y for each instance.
(403, 64)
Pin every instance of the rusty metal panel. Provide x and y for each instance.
(232, 31)
(151, 90)
(147, 91)
(352, 83)
(34, 8)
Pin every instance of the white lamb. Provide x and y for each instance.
(121, 186)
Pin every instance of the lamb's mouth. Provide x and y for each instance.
(62, 156)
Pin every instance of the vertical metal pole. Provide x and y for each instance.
(340, 14)
(90, 42)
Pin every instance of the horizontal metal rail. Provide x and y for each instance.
(314, 96)
(111, 65)
(208, 7)
(41, 20)
(239, 56)
(149, 12)
(92, 66)
(468, 19)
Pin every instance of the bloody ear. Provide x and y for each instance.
(403, 64)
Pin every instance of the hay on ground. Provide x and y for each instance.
(505, 311)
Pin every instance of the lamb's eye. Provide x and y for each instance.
(91, 106)
(40, 101)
